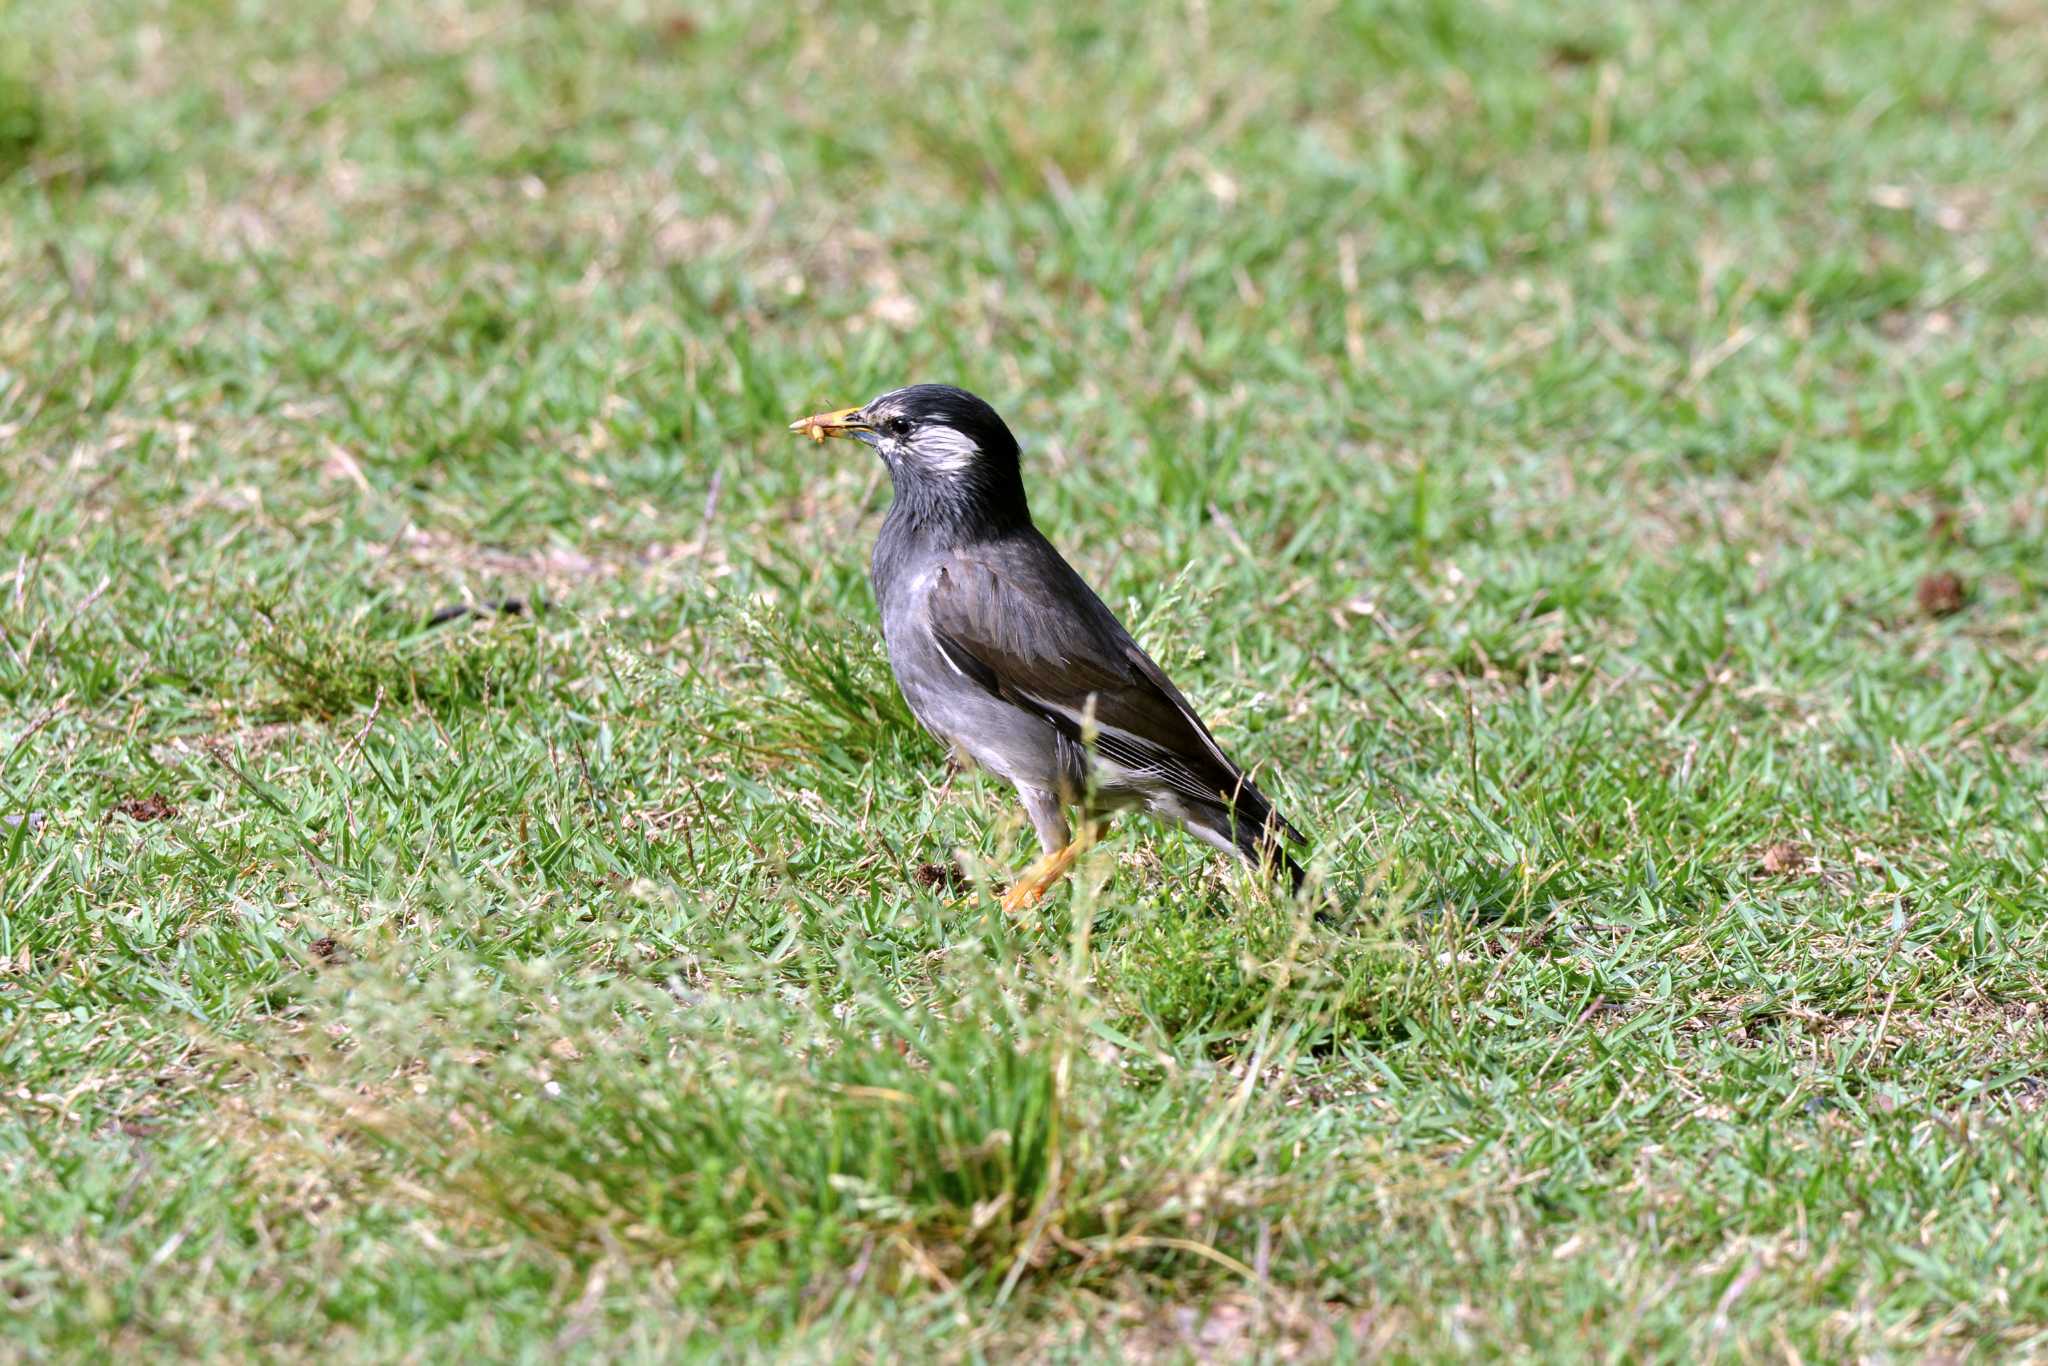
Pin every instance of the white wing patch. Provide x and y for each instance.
(944, 653)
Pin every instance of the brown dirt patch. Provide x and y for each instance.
(941, 877)
(1782, 859)
(143, 810)
(1942, 594)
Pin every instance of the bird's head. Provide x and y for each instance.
(945, 448)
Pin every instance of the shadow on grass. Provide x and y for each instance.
(324, 672)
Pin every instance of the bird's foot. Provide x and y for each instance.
(1041, 877)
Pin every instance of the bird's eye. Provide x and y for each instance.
(897, 426)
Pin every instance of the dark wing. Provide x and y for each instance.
(1031, 632)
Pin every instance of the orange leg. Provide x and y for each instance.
(1041, 877)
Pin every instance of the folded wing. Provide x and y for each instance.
(1084, 674)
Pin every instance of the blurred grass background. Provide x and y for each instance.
(1589, 457)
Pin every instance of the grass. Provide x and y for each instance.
(1590, 459)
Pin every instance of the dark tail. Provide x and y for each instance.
(1264, 850)
(1261, 835)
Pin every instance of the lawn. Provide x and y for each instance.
(1591, 460)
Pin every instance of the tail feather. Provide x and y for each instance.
(1261, 847)
(1260, 835)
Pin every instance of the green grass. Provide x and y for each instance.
(1534, 434)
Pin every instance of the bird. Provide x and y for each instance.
(1006, 655)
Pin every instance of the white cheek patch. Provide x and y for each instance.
(944, 450)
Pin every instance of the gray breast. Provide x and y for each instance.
(1017, 744)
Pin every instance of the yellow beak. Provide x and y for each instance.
(818, 426)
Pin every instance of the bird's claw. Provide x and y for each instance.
(1023, 895)
(1042, 876)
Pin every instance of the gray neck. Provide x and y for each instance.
(979, 505)
(918, 530)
